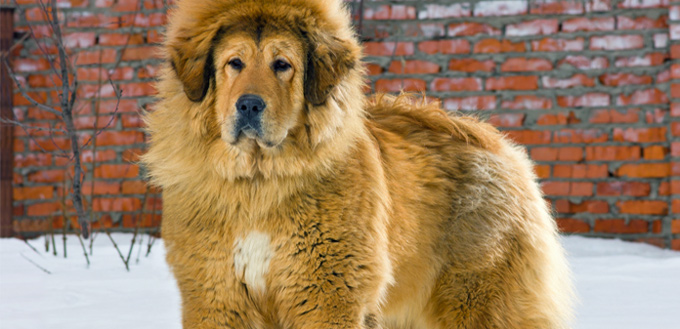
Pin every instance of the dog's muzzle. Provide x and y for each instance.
(249, 110)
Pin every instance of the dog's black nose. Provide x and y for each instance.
(250, 105)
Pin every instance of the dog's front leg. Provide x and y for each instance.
(336, 290)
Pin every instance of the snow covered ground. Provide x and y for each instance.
(620, 285)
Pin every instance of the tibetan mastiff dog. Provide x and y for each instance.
(293, 200)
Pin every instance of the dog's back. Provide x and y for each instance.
(475, 212)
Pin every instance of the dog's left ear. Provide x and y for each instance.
(329, 60)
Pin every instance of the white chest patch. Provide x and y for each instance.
(251, 259)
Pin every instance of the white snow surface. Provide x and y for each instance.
(619, 284)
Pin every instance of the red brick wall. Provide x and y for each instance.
(588, 86)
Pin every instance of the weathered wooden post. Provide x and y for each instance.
(6, 129)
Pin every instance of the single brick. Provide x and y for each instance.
(580, 171)
(620, 226)
(521, 64)
(645, 170)
(388, 48)
(397, 85)
(641, 23)
(652, 59)
(492, 46)
(585, 63)
(413, 67)
(395, 12)
(471, 65)
(616, 42)
(100, 156)
(577, 80)
(456, 84)
(101, 188)
(434, 11)
(588, 24)
(592, 99)
(527, 102)
(471, 28)
(613, 153)
(542, 171)
(578, 136)
(487, 8)
(640, 135)
(614, 116)
(558, 119)
(552, 44)
(639, 4)
(622, 79)
(43, 209)
(512, 83)
(544, 154)
(487, 102)
(532, 27)
(643, 207)
(33, 193)
(507, 120)
(116, 171)
(569, 225)
(556, 7)
(529, 137)
(458, 46)
(642, 97)
(116, 204)
(636, 189)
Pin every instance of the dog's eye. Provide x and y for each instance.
(236, 64)
(280, 66)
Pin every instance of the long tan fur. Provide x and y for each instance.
(345, 211)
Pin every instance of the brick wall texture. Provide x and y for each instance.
(590, 87)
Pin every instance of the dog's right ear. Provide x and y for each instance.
(191, 58)
(329, 59)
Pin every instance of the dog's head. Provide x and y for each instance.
(260, 65)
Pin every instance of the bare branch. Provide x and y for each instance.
(119, 94)
(29, 127)
(67, 116)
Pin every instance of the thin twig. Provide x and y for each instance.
(115, 245)
(151, 238)
(32, 247)
(63, 210)
(15, 45)
(87, 259)
(34, 263)
(139, 249)
(65, 215)
(139, 220)
(119, 95)
(54, 243)
(29, 127)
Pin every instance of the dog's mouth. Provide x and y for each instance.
(249, 133)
